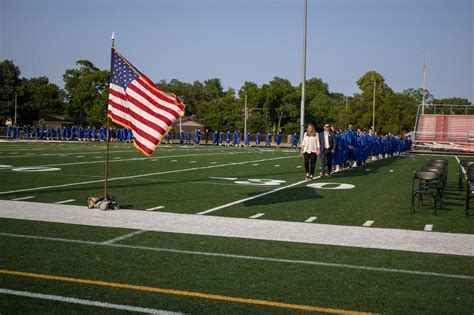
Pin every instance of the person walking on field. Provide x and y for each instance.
(327, 139)
(310, 149)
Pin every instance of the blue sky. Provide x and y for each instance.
(249, 40)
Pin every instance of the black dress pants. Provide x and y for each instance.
(310, 162)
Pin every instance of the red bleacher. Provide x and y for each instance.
(454, 130)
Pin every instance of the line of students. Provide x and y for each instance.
(231, 139)
(68, 133)
(347, 148)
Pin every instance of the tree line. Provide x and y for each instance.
(272, 106)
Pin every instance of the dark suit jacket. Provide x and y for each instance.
(332, 141)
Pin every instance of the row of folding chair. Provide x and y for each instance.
(466, 173)
(432, 178)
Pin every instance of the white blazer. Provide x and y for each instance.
(310, 144)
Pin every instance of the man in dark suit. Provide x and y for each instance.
(327, 140)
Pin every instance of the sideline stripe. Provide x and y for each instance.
(23, 198)
(256, 216)
(65, 201)
(85, 302)
(143, 175)
(256, 258)
(120, 238)
(179, 292)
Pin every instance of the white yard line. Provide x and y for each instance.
(429, 227)
(256, 216)
(23, 198)
(132, 159)
(155, 208)
(123, 237)
(368, 223)
(255, 258)
(65, 201)
(66, 154)
(252, 198)
(139, 176)
(310, 219)
(71, 300)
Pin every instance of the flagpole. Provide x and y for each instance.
(108, 131)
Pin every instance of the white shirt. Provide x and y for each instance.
(326, 140)
(310, 144)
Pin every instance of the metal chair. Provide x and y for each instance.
(424, 187)
(438, 183)
(469, 191)
(463, 165)
(441, 166)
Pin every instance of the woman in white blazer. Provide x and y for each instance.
(310, 149)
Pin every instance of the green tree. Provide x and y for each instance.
(86, 94)
(9, 82)
(35, 95)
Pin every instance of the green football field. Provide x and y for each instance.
(208, 274)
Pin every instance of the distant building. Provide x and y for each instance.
(188, 123)
(53, 120)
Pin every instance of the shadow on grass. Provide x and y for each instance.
(293, 194)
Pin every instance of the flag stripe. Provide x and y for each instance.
(138, 134)
(158, 98)
(132, 107)
(141, 126)
(140, 91)
(167, 97)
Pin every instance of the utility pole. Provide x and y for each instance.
(15, 107)
(303, 79)
(245, 116)
(424, 84)
(373, 105)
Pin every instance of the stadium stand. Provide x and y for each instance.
(446, 132)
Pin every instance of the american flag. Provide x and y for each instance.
(137, 103)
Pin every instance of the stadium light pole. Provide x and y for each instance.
(373, 104)
(15, 106)
(424, 83)
(245, 116)
(303, 75)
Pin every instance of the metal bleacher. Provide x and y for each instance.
(451, 129)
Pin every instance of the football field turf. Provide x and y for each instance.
(209, 274)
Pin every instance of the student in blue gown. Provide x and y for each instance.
(257, 139)
(221, 134)
(236, 138)
(278, 139)
(338, 157)
(268, 140)
(294, 141)
(227, 138)
(181, 137)
(188, 137)
(215, 138)
(247, 139)
(168, 138)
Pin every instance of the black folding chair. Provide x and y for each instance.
(469, 191)
(425, 187)
(442, 166)
(463, 166)
(438, 183)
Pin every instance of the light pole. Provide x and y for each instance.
(303, 75)
(15, 107)
(424, 83)
(373, 105)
